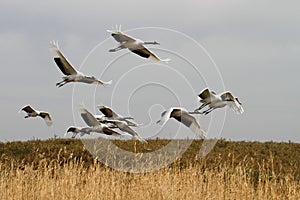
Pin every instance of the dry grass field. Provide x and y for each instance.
(63, 169)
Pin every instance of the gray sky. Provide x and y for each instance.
(255, 45)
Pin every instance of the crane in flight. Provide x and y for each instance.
(31, 112)
(213, 101)
(135, 45)
(109, 114)
(93, 126)
(183, 116)
(71, 74)
(123, 126)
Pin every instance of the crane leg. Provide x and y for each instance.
(60, 84)
(208, 110)
(202, 106)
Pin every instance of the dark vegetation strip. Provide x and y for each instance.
(279, 158)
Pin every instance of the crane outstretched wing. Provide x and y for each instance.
(122, 37)
(60, 60)
(109, 131)
(191, 122)
(47, 118)
(108, 112)
(88, 118)
(165, 116)
(145, 53)
(28, 109)
(236, 107)
(204, 94)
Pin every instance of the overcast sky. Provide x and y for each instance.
(252, 47)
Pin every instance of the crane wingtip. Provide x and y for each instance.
(100, 106)
(167, 60)
(139, 138)
(54, 44)
(65, 134)
(117, 29)
(49, 123)
(109, 82)
(105, 83)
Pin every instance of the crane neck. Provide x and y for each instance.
(150, 43)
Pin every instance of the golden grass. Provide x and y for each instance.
(74, 180)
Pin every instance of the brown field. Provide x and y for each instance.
(63, 169)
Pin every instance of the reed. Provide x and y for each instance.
(73, 179)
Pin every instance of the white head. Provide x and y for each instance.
(154, 42)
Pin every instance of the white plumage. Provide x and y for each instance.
(134, 45)
(109, 114)
(123, 126)
(214, 101)
(71, 74)
(183, 116)
(93, 126)
(118, 121)
(35, 113)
